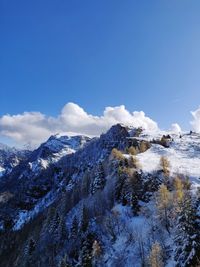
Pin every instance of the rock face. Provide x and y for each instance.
(99, 148)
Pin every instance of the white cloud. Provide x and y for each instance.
(35, 127)
(196, 120)
(175, 128)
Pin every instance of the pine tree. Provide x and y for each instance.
(54, 223)
(29, 251)
(48, 224)
(96, 252)
(135, 204)
(133, 162)
(187, 238)
(86, 252)
(165, 166)
(119, 186)
(99, 180)
(64, 262)
(116, 154)
(32, 246)
(74, 228)
(144, 146)
(164, 205)
(128, 188)
(84, 219)
(61, 232)
(135, 187)
(54, 240)
(156, 257)
(133, 150)
(47, 235)
(85, 185)
(56, 230)
(179, 190)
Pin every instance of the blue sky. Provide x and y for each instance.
(143, 54)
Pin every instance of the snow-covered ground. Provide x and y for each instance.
(183, 155)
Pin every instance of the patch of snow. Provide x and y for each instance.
(72, 134)
(39, 164)
(2, 171)
(69, 143)
(124, 251)
(59, 146)
(25, 216)
(183, 155)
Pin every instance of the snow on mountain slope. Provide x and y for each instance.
(2, 170)
(183, 155)
(75, 193)
(56, 147)
(10, 158)
(69, 143)
(42, 173)
(37, 177)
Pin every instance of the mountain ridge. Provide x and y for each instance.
(100, 194)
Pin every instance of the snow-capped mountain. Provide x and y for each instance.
(56, 147)
(35, 178)
(40, 177)
(127, 198)
(10, 158)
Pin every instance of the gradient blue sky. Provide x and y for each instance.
(143, 54)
